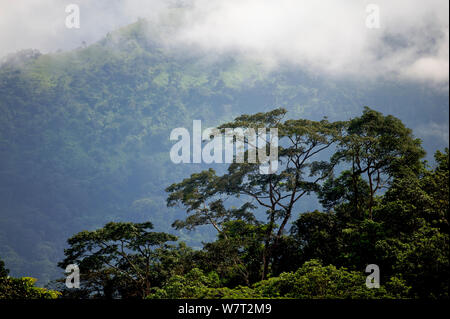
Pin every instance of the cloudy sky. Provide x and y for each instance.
(331, 37)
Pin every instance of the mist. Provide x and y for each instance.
(411, 42)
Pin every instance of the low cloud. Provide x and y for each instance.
(40, 24)
(435, 131)
(326, 37)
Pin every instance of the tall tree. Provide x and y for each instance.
(414, 212)
(300, 143)
(118, 258)
(378, 147)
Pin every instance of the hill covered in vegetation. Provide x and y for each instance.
(84, 135)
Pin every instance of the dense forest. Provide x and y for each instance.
(381, 204)
(385, 207)
(85, 169)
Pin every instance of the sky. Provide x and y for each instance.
(406, 40)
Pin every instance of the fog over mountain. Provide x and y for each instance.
(322, 36)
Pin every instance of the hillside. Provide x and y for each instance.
(84, 135)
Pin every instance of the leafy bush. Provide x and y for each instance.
(311, 281)
(23, 288)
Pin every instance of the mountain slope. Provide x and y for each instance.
(84, 135)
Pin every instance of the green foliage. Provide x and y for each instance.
(314, 281)
(192, 285)
(407, 237)
(347, 191)
(236, 254)
(277, 193)
(84, 134)
(23, 288)
(380, 147)
(404, 230)
(311, 281)
(119, 259)
(317, 234)
(197, 284)
(3, 271)
(414, 213)
(83, 140)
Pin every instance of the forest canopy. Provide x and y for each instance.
(84, 156)
(84, 134)
(382, 204)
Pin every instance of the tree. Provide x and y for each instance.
(339, 194)
(301, 141)
(317, 235)
(3, 270)
(236, 254)
(315, 281)
(311, 281)
(120, 258)
(22, 288)
(192, 285)
(414, 213)
(379, 147)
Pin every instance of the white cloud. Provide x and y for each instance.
(326, 36)
(432, 67)
(435, 131)
(40, 24)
